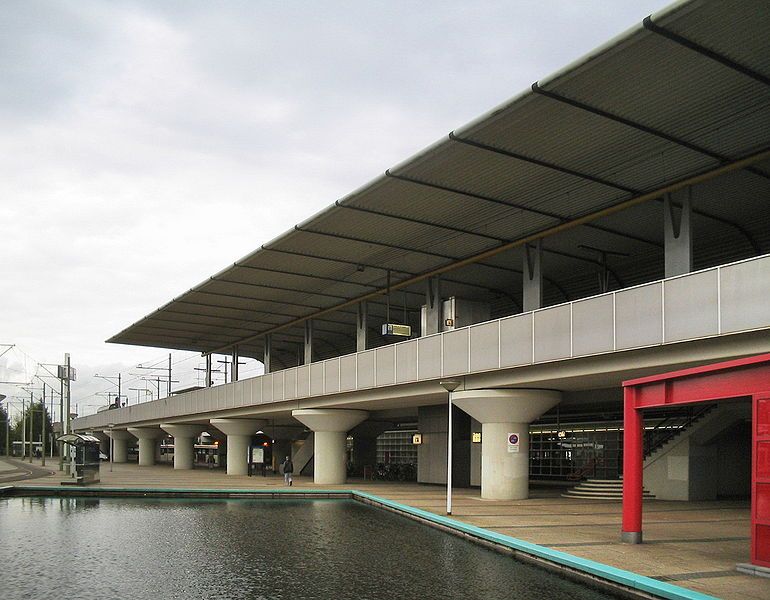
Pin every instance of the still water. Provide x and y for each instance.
(250, 549)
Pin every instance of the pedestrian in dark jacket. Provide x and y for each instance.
(288, 469)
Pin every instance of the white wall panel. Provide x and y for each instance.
(290, 383)
(331, 376)
(429, 351)
(406, 361)
(552, 333)
(516, 340)
(456, 352)
(485, 346)
(267, 388)
(316, 379)
(691, 306)
(256, 390)
(639, 316)
(303, 381)
(348, 373)
(745, 295)
(278, 386)
(592, 325)
(386, 365)
(366, 369)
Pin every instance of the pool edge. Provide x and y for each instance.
(584, 570)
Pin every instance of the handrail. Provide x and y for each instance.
(663, 432)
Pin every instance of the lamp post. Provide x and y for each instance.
(450, 386)
(111, 426)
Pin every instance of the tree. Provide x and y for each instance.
(36, 412)
(3, 427)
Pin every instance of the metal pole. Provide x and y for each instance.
(449, 460)
(119, 390)
(66, 420)
(169, 374)
(61, 423)
(450, 386)
(8, 432)
(50, 434)
(23, 429)
(42, 428)
(31, 418)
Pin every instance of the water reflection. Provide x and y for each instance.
(272, 549)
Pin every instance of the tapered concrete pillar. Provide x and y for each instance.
(148, 442)
(120, 441)
(330, 428)
(503, 413)
(184, 443)
(239, 432)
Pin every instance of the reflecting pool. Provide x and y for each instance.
(250, 549)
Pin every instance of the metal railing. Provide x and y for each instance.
(716, 301)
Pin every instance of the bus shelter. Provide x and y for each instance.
(87, 459)
(744, 378)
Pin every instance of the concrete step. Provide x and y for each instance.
(601, 496)
(600, 489)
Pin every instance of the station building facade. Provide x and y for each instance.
(610, 222)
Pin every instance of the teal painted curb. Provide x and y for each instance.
(622, 577)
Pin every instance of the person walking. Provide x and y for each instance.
(288, 469)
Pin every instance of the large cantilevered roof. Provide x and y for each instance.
(681, 98)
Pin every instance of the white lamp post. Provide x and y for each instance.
(112, 445)
(450, 386)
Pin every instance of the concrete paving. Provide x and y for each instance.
(695, 545)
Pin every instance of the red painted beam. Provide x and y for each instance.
(723, 366)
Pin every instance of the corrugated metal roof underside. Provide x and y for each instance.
(633, 117)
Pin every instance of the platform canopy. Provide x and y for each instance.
(677, 100)
(77, 439)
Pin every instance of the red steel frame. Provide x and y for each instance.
(743, 378)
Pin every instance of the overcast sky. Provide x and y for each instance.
(145, 145)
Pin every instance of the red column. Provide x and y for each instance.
(633, 463)
(760, 482)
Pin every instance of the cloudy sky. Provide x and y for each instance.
(147, 144)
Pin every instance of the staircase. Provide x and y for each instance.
(600, 489)
(304, 455)
(670, 428)
(692, 422)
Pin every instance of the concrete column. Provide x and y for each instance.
(505, 473)
(148, 442)
(120, 441)
(268, 351)
(239, 432)
(330, 427)
(184, 443)
(308, 346)
(677, 233)
(104, 441)
(362, 326)
(433, 307)
(533, 277)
